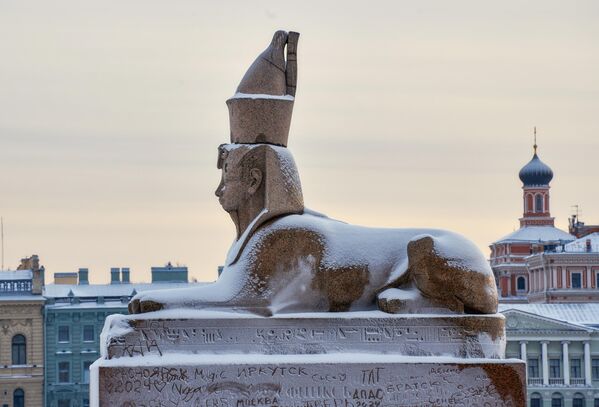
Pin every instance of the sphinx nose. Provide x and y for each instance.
(219, 190)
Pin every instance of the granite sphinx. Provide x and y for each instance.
(263, 334)
(287, 258)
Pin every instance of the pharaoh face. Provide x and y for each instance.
(230, 191)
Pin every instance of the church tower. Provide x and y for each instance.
(535, 177)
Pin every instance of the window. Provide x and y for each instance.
(554, 368)
(536, 400)
(18, 398)
(576, 368)
(538, 203)
(88, 333)
(64, 403)
(557, 400)
(533, 367)
(521, 284)
(85, 402)
(19, 350)
(578, 400)
(596, 403)
(85, 373)
(64, 372)
(576, 280)
(595, 369)
(64, 334)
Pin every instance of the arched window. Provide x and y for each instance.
(18, 398)
(557, 400)
(528, 207)
(578, 400)
(536, 400)
(539, 203)
(19, 350)
(521, 283)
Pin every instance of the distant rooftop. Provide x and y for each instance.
(580, 313)
(16, 275)
(535, 234)
(106, 290)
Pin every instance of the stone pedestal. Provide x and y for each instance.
(199, 358)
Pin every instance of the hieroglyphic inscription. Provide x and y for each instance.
(313, 385)
(407, 336)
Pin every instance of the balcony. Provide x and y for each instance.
(577, 381)
(556, 381)
(535, 381)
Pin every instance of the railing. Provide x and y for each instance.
(555, 381)
(15, 287)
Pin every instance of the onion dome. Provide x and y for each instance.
(536, 172)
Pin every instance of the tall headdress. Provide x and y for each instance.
(261, 109)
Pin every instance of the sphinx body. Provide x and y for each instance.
(309, 262)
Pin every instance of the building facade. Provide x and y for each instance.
(560, 344)
(74, 317)
(21, 335)
(568, 273)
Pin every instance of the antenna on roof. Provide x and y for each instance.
(535, 136)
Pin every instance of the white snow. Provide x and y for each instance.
(16, 275)
(240, 95)
(185, 359)
(580, 245)
(537, 234)
(114, 325)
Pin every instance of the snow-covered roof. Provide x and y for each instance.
(580, 245)
(579, 313)
(532, 234)
(22, 297)
(16, 275)
(88, 305)
(106, 290)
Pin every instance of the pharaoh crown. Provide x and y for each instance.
(261, 109)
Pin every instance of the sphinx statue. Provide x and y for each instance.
(287, 258)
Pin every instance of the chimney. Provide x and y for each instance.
(83, 276)
(115, 275)
(169, 274)
(125, 275)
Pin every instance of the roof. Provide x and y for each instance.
(106, 290)
(580, 245)
(535, 234)
(536, 172)
(579, 313)
(22, 297)
(16, 275)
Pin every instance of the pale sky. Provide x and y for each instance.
(408, 113)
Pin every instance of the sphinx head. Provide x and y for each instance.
(258, 183)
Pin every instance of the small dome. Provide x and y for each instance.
(536, 172)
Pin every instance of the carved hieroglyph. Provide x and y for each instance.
(286, 258)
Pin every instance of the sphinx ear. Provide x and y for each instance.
(255, 180)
